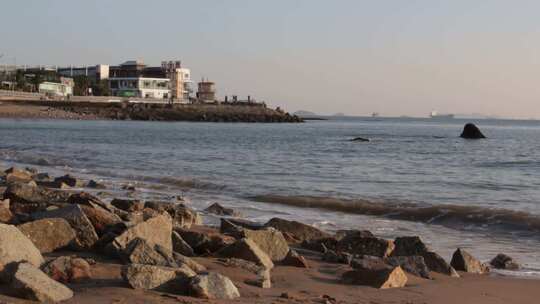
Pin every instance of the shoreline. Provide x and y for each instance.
(320, 283)
(82, 110)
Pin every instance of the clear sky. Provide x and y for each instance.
(401, 57)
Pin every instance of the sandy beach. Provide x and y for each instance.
(313, 285)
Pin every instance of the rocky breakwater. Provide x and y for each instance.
(57, 243)
(175, 112)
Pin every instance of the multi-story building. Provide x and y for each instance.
(180, 80)
(135, 79)
(96, 72)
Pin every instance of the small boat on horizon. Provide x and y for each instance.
(435, 115)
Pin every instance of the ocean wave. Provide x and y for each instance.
(161, 182)
(448, 215)
(510, 164)
(28, 158)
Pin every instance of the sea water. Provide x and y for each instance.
(414, 176)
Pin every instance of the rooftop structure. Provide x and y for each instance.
(206, 91)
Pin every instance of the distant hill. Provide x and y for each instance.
(304, 113)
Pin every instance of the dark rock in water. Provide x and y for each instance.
(69, 180)
(463, 261)
(502, 261)
(412, 264)
(220, 210)
(471, 131)
(95, 185)
(361, 139)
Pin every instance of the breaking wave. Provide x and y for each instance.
(448, 215)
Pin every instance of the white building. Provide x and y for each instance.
(142, 87)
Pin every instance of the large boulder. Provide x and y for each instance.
(5, 215)
(299, 231)
(295, 260)
(139, 251)
(411, 264)
(156, 230)
(502, 261)
(247, 250)
(183, 216)
(436, 263)
(213, 286)
(372, 246)
(87, 199)
(36, 197)
(149, 277)
(49, 234)
(15, 175)
(75, 216)
(66, 269)
(16, 247)
(374, 272)
(191, 263)
(31, 283)
(263, 279)
(471, 131)
(129, 205)
(270, 240)
(347, 240)
(181, 246)
(409, 246)
(464, 261)
(205, 242)
(100, 218)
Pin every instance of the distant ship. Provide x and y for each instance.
(436, 115)
(374, 114)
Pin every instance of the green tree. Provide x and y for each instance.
(82, 83)
(101, 88)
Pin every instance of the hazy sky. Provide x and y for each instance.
(401, 57)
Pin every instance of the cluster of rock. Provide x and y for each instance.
(157, 241)
(168, 112)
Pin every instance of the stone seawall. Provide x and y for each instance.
(167, 112)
